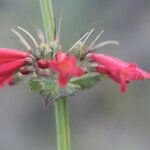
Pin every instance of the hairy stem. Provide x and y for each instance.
(62, 124)
(48, 19)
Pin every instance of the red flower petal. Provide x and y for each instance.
(71, 60)
(11, 67)
(107, 61)
(53, 65)
(66, 66)
(60, 56)
(12, 53)
(63, 79)
(77, 72)
(142, 74)
(4, 61)
(123, 85)
(103, 70)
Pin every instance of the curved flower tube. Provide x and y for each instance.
(10, 61)
(6, 53)
(118, 70)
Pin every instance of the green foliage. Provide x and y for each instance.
(87, 81)
(50, 88)
(35, 85)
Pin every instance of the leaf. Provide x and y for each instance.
(50, 88)
(87, 81)
(35, 85)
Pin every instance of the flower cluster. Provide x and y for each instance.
(11, 62)
(50, 61)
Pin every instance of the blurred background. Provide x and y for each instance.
(101, 118)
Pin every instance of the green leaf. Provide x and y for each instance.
(50, 88)
(87, 81)
(35, 85)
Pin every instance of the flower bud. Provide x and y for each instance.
(79, 50)
(54, 46)
(26, 70)
(43, 64)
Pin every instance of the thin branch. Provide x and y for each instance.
(40, 35)
(59, 30)
(104, 43)
(22, 40)
(97, 37)
(29, 35)
(88, 35)
(78, 41)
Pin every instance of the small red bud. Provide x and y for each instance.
(25, 70)
(43, 64)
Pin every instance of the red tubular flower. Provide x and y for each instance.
(10, 61)
(11, 67)
(66, 67)
(118, 70)
(11, 55)
(6, 53)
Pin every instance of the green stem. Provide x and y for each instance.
(48, 19)
(62, 124)
(61, 111)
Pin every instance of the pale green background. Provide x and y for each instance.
(101, 118)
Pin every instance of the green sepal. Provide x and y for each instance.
(35, 85)
(87, 81)
(80, 51)
(50, 88)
